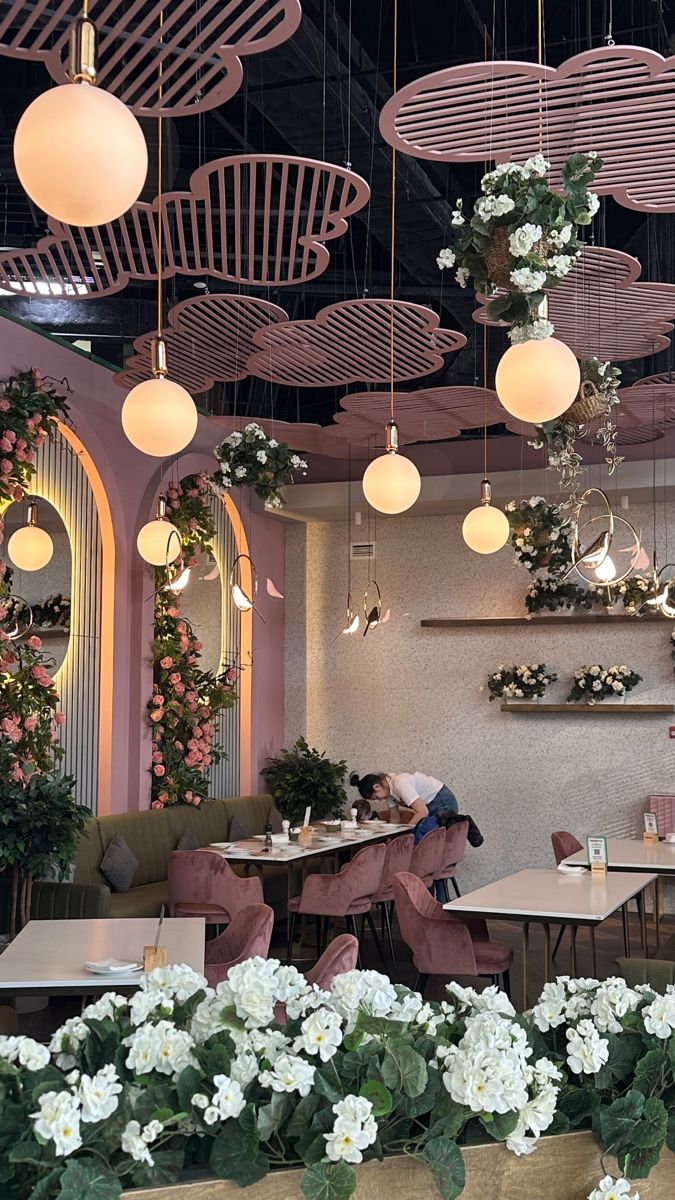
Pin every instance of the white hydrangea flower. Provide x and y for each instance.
(320, 1033)
(560, 264)
(261, 456)
(446, 258)
(228, 1097)
(98, 1094)
(613, 1189)
(272, 443)
(524, 238)
(30, 1054)
(142, 1004)
(587, 1052)
(659, 1016)
(135, 1141)
(106, 1008)
(244, 1067)
(536, 165)
(58, 1121)
(368, 989)
(354, 1130)
(66, 1042)
(534, 1118)
(486, 1071)
(536, 331)
(462, 275)
(289, 1074)
(528, 281)
(593, 202)
(491, 999)
(560, 237)
(161, 1047)
(612, 1001)
(177, 982)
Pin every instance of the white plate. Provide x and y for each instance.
(278, 839)
(221, 845)
(109, 966)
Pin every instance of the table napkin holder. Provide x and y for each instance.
(153, 956)
(650, 839)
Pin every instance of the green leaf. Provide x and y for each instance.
(302, 1115)
(328, 1181)
(236, 1153)
(578, 1105)
(404, 1070)
(167, 1168)
(380, 1097)
(618, 1121)
(88, 1179)
(29, 1151)
(444, 1159)
(152, 1100)
(189, 1082)
(670, 1132)
(449, 1118)
(325, 1086)
(499, 1125)
(650, 1071)
(652, 1128)
(636, 1164)
(624, 1051)
(46, 1186)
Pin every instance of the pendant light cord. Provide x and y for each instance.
(393, 226)
(160, 221)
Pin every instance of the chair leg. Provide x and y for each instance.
(506, 983)
(378, 944)
(319, 923)
(442, 893)
(386, 921)
(383, 908)
(456, 886)
(291, 933)
(351, 928)
(420, 983)
(558, 940)
(363, 925)
(324, 933)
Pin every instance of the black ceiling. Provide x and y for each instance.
(320, 95)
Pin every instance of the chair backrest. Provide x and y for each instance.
(440, 943)
(249, 934)
(204, 877)
(664, 808)
(455, 844)
(564, 844)
(341, 955)
(360, 878)
(399, 852)
(428, 855)
(655, 972)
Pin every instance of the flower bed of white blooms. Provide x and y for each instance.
(517, 683)
(252, 459)
(596, 682)
(182, 1077)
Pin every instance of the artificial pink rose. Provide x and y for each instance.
(193, 492)
(157, 804)
(38, 380)
(30, 723)
(172, 612)
(193, 524)
(157, 756)
(5, 465)
(163, 796)
(35, 643)
(179, 689)
(166, 662)
(204, 711)
(17, 773)
(156, 715)
(178, 745)
(159, 770)
(196, 646)
(188, 795)
(174, 677)
(60, 718)
(181, 627)
(158, 700)
(21, 444)
(4, 403)
(18, 493)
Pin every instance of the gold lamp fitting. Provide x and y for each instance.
(391, 443)
(161, 508)
(485, 491)
(32, 514)
(83, 51)
(159, 361)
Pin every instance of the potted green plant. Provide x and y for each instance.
(300, 777)
(40, 825)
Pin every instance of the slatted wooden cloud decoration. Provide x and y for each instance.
(200, 50)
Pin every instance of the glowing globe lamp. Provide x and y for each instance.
(536, 381)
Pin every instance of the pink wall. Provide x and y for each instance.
(131, 482)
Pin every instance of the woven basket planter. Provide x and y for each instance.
(589, 405)
(567, 1167)
(500, 261)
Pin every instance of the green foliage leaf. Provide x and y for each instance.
(380, 1097)
(167, 1168)
(499, 1125)
(652, 1128)
(404, 1070)
(88, 1179)
(325, 1086)
(302, 1115)
(618, 1120)
(624, 1051)
(328, 1181)
(46, 1186)
(578, 1104)
(444, 1159)
(637, 1163)
(189, 1082)
(670, 1132)
(236, 1154)
(151, 1100)
(650, 1071)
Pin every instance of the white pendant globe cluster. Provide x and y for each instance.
(30, 548)
(391, 483)
(159, 417)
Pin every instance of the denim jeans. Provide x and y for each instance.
(441, 802)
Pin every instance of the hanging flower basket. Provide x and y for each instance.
(500, 261)
(589, 404)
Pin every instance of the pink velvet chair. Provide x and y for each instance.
(247, 936)
(664, 808)
(342, 955)
(203, 884)
(453, 854)
(398, 856)
(428, 856)
(442, 944)
(564, 844)
(348, 894)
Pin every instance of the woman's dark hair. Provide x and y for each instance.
(367, 783)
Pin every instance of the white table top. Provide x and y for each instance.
(541, 895)
(49, 956)
(633, 854)
(251, 849)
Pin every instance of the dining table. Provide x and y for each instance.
(554, 897)
(634, 854)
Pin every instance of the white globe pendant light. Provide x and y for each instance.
(485, 529)
(391, 483)
(30, 548)
(537, 380)
(159, 416)
(79, 152)
(159, 542)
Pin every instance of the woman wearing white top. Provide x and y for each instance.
(424, 795)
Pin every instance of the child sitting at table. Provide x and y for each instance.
(364, 812)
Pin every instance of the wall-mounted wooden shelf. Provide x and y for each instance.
(587, 710)
(549, 622)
